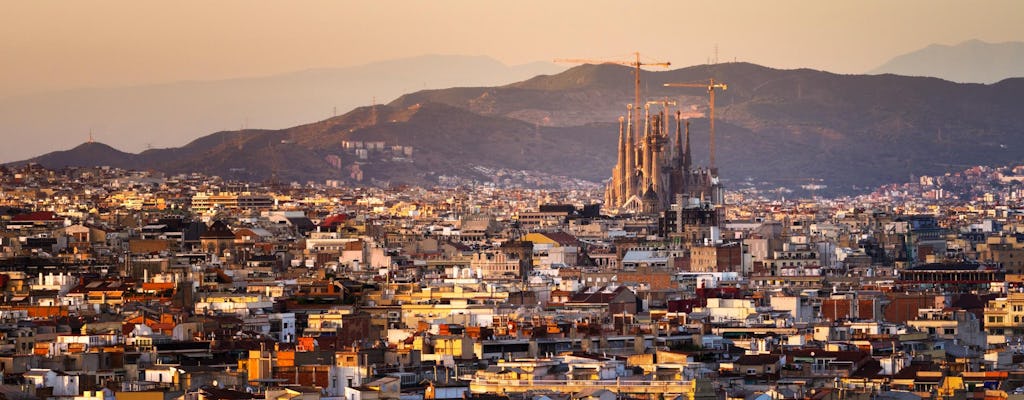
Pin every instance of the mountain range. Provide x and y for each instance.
(780, 127)
(973, 61)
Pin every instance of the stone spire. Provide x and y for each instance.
(645, 159)
(678, 148)
(687, 162)
(630, 165)
(654, 160)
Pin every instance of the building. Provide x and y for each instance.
(949, 325)
(653, 170)
(493, 265)
(1005, 251)
(1004, 316)
(688, 222)
(722, 257)
(217, 239)
(202, 202)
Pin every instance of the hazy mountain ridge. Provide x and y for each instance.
(445, 140)
(167, 115)
(89, 154)
(783, 126)
(971, 61)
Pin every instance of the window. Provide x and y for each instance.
(949, 331)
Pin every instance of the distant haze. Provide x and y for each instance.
(60, 45)
(170, 115)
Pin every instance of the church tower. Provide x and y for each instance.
(630, 165)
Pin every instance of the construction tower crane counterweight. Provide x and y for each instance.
(711, 87)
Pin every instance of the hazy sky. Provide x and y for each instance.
(51, 45)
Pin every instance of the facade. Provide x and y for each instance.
(724, 257)
(202, 202)
(690, 222)
(946, 324)
(491, 265)
(1005, 316)
(1005, 251)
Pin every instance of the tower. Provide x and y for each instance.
(687, 161)
(656, 144)
(630, 165)
(677, 149)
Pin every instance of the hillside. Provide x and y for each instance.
(775, 126)
(444, 141)
(89, 154)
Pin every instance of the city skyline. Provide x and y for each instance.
(258, 204)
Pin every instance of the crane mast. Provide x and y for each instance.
(711, 87)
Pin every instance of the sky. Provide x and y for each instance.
(59, 45)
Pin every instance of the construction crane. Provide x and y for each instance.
(636, 74)
(711, 87)
(664, 103)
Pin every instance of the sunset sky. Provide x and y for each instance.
(49, 45)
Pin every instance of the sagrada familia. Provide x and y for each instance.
(654, 172)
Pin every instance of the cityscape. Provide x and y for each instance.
(579, 232)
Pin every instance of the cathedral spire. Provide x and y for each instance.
(686, 150)
(657, 145)
(645, 157)
(630, 165)
(677, 150)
